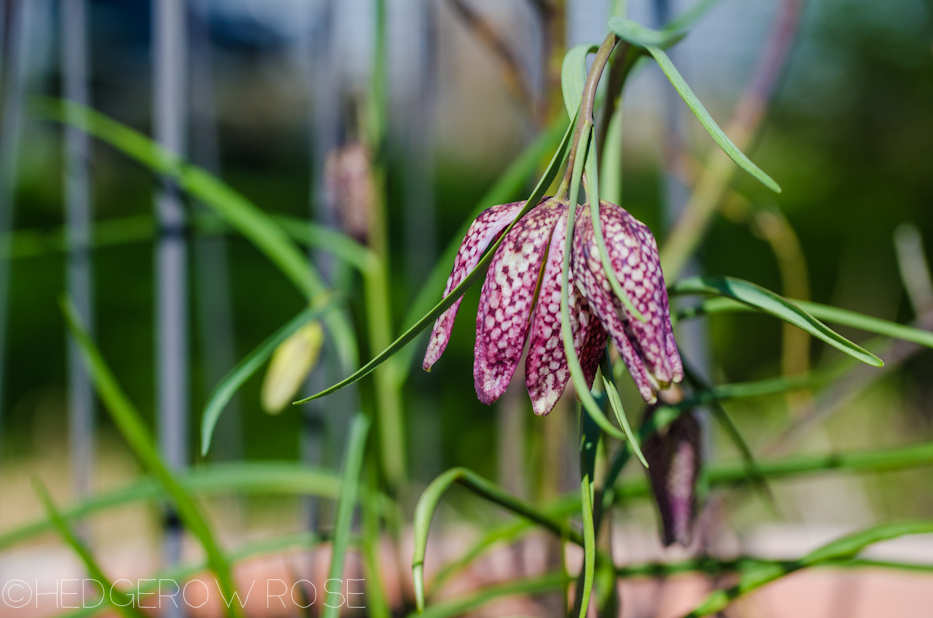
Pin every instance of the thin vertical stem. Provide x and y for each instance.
(74, 62)
(169, 111)
(392, 437)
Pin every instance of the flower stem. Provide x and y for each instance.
(585, 120)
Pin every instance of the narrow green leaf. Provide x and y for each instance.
(778, 306)
(589, 441)
(258, 477)
(718, 474)
(707, 121)
(231, 383)
(834, 315)
(330, 240)
(122, 603)
(508, 186)
(127, 421)
(673, 31)
(853, 319)
(769, 386)
(612, 393)
(715, 567)
(641, 36)
(235, 209)
(843, 548)
(181, 573)
(376, 601)
(352, 466)
(752, 470)
(864, 462)
(573, 75)
(461, 289)
(774, 386)
(573, 361)
(504, 534)
(541, 584)
(427, 505)
(591, 166)
(589, 544)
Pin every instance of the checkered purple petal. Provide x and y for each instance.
(482, 232)
(507, 299)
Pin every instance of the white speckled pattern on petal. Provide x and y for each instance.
(648, 348)
(506, 301)
(639, 272)
(483, 231)
(546, 371)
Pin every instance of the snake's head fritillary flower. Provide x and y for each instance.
(648, 348)
(520, 302)
(674, 459)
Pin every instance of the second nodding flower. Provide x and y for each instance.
(520, 302)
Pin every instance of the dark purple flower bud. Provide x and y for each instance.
(648, 348)
(674, 458)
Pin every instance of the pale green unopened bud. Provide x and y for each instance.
(291, 363)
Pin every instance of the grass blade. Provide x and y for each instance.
(231, 383)
(843, 548)
(127, 421)
(612, 393)
(235, 209)
(716, 567)
(503, 534)
(327, 239)
(853, 319)
(717, 474)
(352, 466)
(834, 315)
(259, 477)
(778, 306)
(123, 603)
(471, 278)
(427, 505)
(589, 439)
(290, 542)
(378, 604)
(707, 121)
(461, 605)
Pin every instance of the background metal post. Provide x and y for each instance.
(213, 299)
(169, 115)
(74, 66)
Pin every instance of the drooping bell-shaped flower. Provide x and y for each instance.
(674, 458)
(648, 348)
(520, 302)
